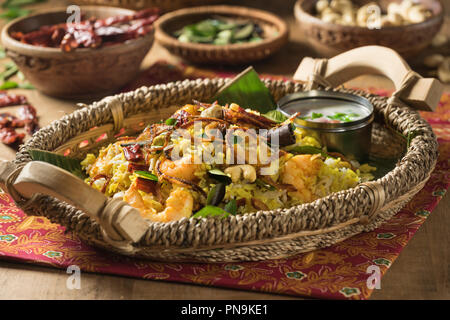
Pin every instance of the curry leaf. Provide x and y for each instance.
(276, 116)
(146, 175)
(8, 85)
(26, 85)
(211, 211)
(307, 150)
(171, 122)
(263, 184)
(245, 32)
(216, 194)
(14, 12)
(219, 175)
(231, 207)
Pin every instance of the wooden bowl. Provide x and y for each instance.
(164, 5)
(82, 72)
(275, 29)
(330, 39)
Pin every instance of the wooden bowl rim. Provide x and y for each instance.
(162, 36)
(301, 14)
(24, 48)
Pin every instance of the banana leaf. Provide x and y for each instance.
(248, 91)
(67, 163)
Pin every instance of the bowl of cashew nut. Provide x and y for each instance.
(335, 26)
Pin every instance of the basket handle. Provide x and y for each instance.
(411, 88)
(121, 224)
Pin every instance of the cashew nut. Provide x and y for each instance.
(330, 17)
(364, 13)
(444, 70)
(348, 18)
(404, 7)
(433, 61)
(386, 22)
(417, 13)
(395, 18)
(346, 13)
(213, 112)
(234, 107)
(393, 8)
(245, 171)
(439, 40)
(321, 5)
(341, 5)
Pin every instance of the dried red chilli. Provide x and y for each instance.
(182, 118)
(80, 35)
(91, 33)
(123, 18)
(137, 167)
(7, 100)
(10, 136)
(26, 118)
(7, 120)
(148, 186)
(27, 114)
(133, 153)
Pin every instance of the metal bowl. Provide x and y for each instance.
(352, 139)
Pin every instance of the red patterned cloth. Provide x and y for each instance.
(338, 272)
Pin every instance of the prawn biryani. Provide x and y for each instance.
(213, 160)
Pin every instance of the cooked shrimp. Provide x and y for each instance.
(133, 197)
(179, 204)
(301, 171)
(183, 168)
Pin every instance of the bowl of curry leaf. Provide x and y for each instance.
(221, 34)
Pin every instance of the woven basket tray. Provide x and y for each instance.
(44, 190)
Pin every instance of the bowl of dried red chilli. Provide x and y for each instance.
(95, 56)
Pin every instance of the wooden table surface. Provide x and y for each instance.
(420, 272)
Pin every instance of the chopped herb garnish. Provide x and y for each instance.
(307, 150)
(261, 183)
(343, 116)
(146, 175)
(171, 121)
